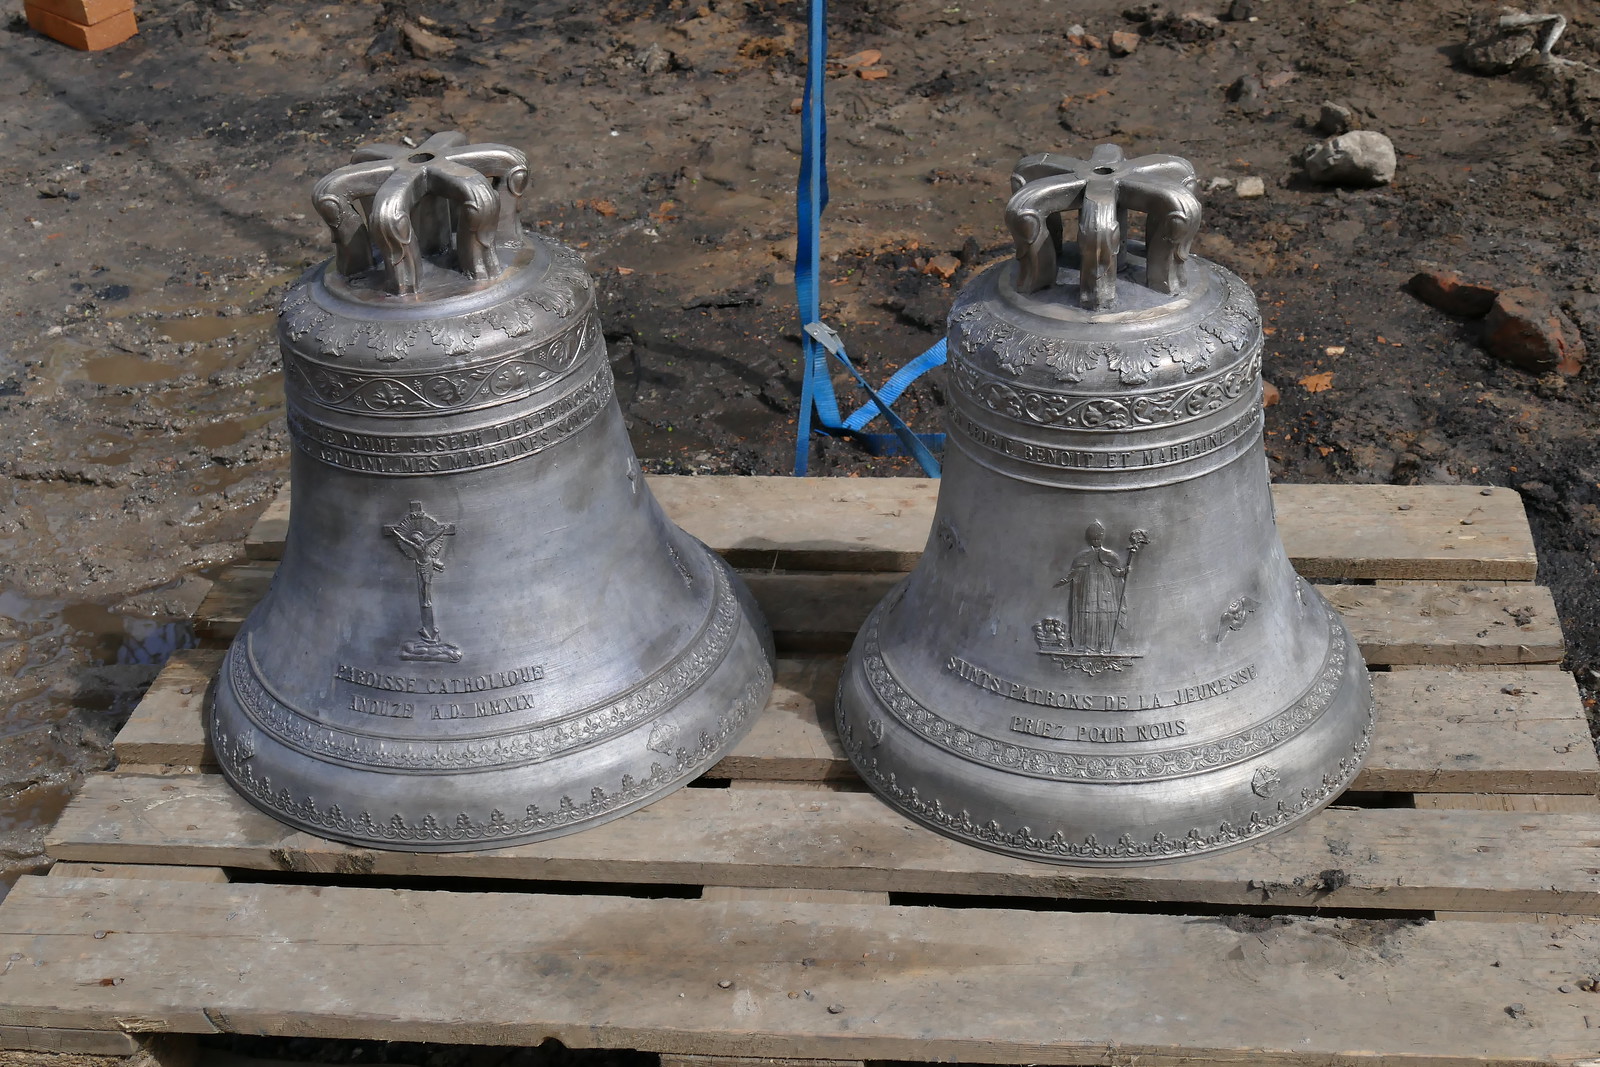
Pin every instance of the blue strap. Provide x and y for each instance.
(817, 341)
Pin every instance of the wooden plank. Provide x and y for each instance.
(670, 1060)
(1508, 731)
(881, 524)
(1398, 858)
(64, 1043)
(803, 980)
(1507, 802)
(160, 872)
(1559, 802)
(1432, 624)
(168, 724)
(265, 539)
(1438, 731)
(1451, 623)
(794, 740)
(789, 895)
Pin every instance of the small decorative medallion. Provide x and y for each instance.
(1235, 615)
(1097, 599)
(420, 537)
(663, 738)
(1265, 782)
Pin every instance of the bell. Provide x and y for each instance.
(484, 630)
(1104, 656)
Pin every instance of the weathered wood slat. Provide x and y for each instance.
(159, 871)
(805, 981)
(66, 1042)
(1448, 731)
(881, 524)
(798, 838)
(1433, 624)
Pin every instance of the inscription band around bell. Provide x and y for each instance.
(484, 630)
(1104, 656)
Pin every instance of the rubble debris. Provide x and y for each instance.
(1449, 293)
(1526, 329)
(1360, 157)
(425, 45)
(1251, 188)
(1497, 41)
(1123, 42)
(1193, 26)
(1334, 118)
(654, 60)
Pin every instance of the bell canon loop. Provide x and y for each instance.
(1104, 655)
(484, 630)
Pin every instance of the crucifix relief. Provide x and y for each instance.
(421, 538)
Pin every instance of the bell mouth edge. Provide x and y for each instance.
(1122, 849)
(462, 833)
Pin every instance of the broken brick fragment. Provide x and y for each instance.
(1444, 289)
(1526, 329)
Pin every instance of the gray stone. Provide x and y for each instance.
(1335, 118)
(1251, 188)
(1361, 157)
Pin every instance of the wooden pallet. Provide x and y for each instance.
(778, 911)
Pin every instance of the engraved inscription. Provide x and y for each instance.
(1074, 701)
(1114, 459)
(392, 709)
(1105, 735)
(489, 446)
(420, 538)
(401, 683)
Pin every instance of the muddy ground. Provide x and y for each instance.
(155, 197)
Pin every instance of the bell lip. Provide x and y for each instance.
(1350, 761)
(752, 651)
(745, 675)
(1298, 822)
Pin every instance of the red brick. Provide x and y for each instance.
(83, 12)
(102, 34)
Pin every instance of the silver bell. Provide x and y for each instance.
(484, 630)
(1104, 656)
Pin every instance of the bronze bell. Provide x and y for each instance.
(484, 630)
(1104, 656)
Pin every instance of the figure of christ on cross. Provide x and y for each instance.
(421, 538)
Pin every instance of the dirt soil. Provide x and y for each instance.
(156, 197)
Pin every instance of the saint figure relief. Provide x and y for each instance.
(1097, 591)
